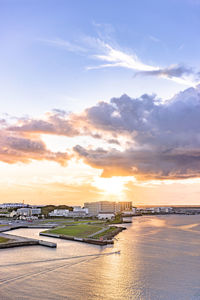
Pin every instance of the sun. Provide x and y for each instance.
(113, 186)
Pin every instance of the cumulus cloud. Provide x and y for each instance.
(145, 137)
(144, 164)
(55, 123)
(14, 148)
(164, 138)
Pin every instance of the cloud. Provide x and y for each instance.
(178, 73)
(144, 164)
(173, 71)
(145, 137)
(118, 58)
(56, 122)
(163, 138)
(69, 46)
(14, 148)
(154, 39)
(114, 56)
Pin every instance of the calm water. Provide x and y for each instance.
(160, 259)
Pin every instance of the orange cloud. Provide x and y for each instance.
(162, 137)
(15, 148)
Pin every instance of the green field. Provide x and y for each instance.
(102, 234)
(3, 240)
(71, 221)
(81, 231)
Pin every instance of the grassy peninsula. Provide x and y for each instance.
(79, 230)
(3, 240)
(86, 230)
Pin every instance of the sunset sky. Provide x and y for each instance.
(100, 100)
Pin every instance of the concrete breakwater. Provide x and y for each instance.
(18, 241)
(113, 233)
(13, 227)
(12, 244)
(76, 239)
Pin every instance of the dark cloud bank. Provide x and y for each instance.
(162, 137)
(14, 148)
(175, 71)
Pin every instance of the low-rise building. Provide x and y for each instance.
(155, 210)
(59, 213)
(77, 212)
(79, 209)
(35, 211)
(105, 216)
(28, 211)
(134, 210)
(166, 209)
(13, 205)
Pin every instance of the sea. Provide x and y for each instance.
(159, 259)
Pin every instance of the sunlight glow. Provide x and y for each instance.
(114, 185)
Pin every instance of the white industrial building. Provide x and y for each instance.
(105, 216)
(59, 213)
(79, 209)
(158, 210)
(12, 205)
(134, 210)
(77, 212)
(28, 211)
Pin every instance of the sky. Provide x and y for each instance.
(100, 100)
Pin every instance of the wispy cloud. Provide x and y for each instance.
(179, 73)
(118, 58)
(113, 56)
(154, 39)
(69, 46)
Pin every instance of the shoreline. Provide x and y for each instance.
(86, 240)
(18, 241)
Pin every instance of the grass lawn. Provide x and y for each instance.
(81, 231)
(57, 220)
(71, 221)
(110, 229)
(3, 240)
